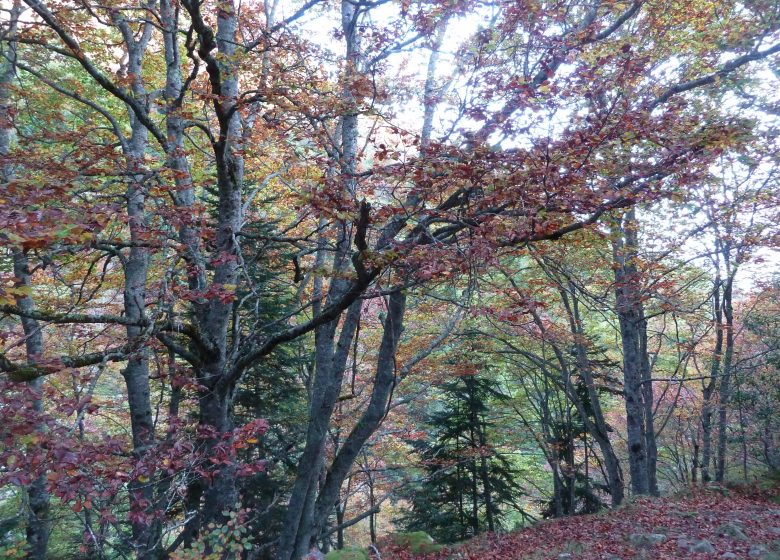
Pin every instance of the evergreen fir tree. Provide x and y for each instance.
(468, 485)
(273, 390)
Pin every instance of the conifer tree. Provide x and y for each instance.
(469, 484)
(273, 390)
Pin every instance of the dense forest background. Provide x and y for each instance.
(286, 277)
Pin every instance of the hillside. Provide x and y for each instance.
(716, 523)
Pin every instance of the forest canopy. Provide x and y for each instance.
(284, 277)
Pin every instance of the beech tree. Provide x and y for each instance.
(37, 493)
(741, 216)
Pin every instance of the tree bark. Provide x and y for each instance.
(708, 388)
(217, 493)
(384, 382)
(330, 357)
(724, 392)
(636, 372)
(595, 423)
(330, 364)
(598, 428)
(136, 271)
(38, 517)
(38, 503)
(487, 491)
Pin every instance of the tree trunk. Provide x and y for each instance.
(339, 528)
(724, 393)
(221, 494)
(708, 388)
(648, 402)
(384, 381)
(372, 517)
(136, 269)
(303, 524)
(595, 423)
(330, 364)
(183, 195)
(38, 516)
(217, 493)
(487, 491)
(473, 446)
(706, 439)
(636, 375)
(136, 371)
(38, 520)
(474, 494)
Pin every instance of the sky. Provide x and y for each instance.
(322, 27)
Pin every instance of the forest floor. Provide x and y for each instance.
(703, 523)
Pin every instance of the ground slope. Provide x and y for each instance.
(712, 523)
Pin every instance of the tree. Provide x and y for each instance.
(757, 387)
(38, 503)
(739, 209)
(468, 485)
(637, 375)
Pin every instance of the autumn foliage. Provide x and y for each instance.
(247, 248)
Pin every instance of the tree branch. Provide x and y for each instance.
(34, 370)
(726, 69)
(140, 112)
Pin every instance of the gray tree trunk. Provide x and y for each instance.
(708, 389)
(367, 424)
(724, 392)
(330, 356)
(38, 515)
(595, 423)
(136, 271)
(598, 428)
(212, 319)
(487, 490)
(636, 371)
(330, 364)
(649, 412)
(311, 504)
